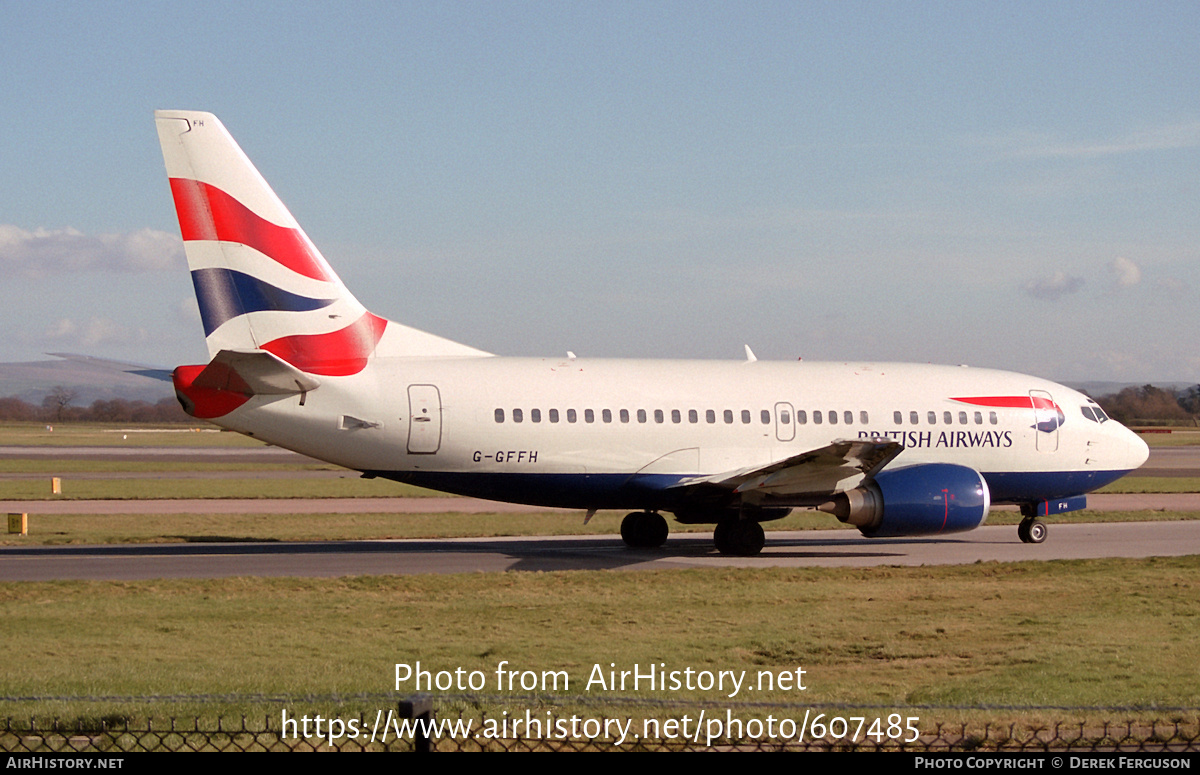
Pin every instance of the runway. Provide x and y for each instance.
(786, 549)
(685, 550)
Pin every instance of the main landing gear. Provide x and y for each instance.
(739, 537)
(1032, 531)
(644, 530)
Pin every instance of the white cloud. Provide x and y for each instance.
(43, 251)
(1055, 286)
(94, 332)
(1128, 273)
(1041, 145)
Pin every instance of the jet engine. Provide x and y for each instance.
(918, 500)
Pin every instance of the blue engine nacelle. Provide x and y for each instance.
(920, 500)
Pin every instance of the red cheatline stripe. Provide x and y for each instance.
(335, 354)
(208, 213)
(1020, 402)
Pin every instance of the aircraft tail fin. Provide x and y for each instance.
(260, 282)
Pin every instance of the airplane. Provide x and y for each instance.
(894, 449)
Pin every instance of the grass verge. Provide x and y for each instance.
(1075, 633)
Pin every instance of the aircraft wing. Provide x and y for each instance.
(816, 472)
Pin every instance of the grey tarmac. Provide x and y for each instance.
(790, 549)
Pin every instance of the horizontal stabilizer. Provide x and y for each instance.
(254, 372)
(163, 375)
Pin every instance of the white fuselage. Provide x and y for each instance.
(573, 432)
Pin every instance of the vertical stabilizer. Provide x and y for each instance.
(259, 280)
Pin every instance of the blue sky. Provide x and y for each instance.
(1000, 184)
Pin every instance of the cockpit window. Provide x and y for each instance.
(1087, 412)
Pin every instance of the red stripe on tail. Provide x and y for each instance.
(335, 354)
(208, 213)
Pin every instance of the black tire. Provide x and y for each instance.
(644, 530)
(1023, 530)
(1037, 531)
(631, 529)
(655, 530)
(739, 537)
(721, 536)
(751, 540)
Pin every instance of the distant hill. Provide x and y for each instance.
(90, 381)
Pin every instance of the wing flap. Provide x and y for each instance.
(816, 471)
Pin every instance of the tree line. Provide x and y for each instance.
(1148, 404)
(57, 406)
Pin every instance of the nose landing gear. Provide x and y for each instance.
(1032, 531)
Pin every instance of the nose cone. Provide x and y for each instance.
(1136, 450)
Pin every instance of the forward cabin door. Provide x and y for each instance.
(1046, 420)
(424, 419)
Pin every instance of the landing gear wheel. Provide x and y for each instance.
(644, 530)
(1032, 531)
(739, 537)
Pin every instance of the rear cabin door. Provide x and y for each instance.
(424, 419)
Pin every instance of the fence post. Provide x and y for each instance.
(418, 708)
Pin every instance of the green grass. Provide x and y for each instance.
(1178, 437)
(1096, 633)
(120, 434)
(1147, 484)
(352, 486)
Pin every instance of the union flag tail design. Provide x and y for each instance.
(260, 282)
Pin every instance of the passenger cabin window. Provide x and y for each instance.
(979, 418)
(801, 417)
(658, 415)
(676, 417)
(848, 417)
(553, 415)
(745, 417)
(710, 416)
(642, 415)
(913, 418)
(499, 415)
(993, 418)
(962, 418)
(624, 415)
(727, 415)
(947, 418)
(898, 417)
(589, 415)
(571, 415)
(932, 417)
(862, 418)
(693, 416)
(765, 415)
(535, 415)
(606, 415)
(832, 417)
(817, 419)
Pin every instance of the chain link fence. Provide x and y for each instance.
(472, 723)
